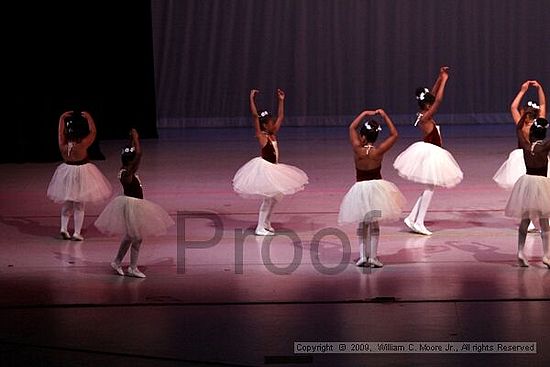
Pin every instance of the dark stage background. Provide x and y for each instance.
(93, 55)
(160, 63)
(336, 57)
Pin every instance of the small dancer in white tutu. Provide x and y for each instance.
(264, 177)
(371, 199)
(427, 162)
(76, 181)
(131, 215)
(514, 167)
(530, 196)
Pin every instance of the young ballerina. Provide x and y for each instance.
(530, 196)
(76, 181)
(427, 162)
(264, 177)
(371, 199)
(514, 167)
(130, 214)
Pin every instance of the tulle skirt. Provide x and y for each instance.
(259, 178)
(82, 183)
(511, 170)
(530, 198)
(428, 164)
(135, 217)
(369, 201)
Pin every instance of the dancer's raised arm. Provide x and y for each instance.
(439, 91)
(390, 140)
(514, 107)
(254, 111)
(542, 99)
(280, 109)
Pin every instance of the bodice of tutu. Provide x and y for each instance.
(538, 171)
(368, 174)
(536, 158)
(270, 152)
(433, 137)
(77, 163)
(132, 187)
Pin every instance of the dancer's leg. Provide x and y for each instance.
(364, 247)
(545, 235)
(66, 212)
(262, 216)
(78, 220)
(134, 254)
(423, 209)
(122, 249)
(411, 218)
(274, 200)
(374, 230)
(522, 234)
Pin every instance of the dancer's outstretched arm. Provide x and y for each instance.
(254, 111)
(280, 109)
(514, 107)
(542, 99)
(439, 88)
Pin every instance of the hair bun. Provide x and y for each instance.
(541, 123)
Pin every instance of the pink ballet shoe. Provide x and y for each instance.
(117, 268)
(362, 262)
(263, 232)
(420, 228)
(65, 235)
(522, 261)
(546, 261)
(409, 224)
(374, 262)
(134, 272)
(77, 237)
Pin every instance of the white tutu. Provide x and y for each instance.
(511, 170)
(428, 164)
(530, 198)
(259, 178)
(81, 183)
(364, 197)
(134, 217)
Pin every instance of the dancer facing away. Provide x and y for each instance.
(530, 196)
(264, 177)
(129, 214)
(371, 199)
(426, 162)
(514, 167)
(76, 181)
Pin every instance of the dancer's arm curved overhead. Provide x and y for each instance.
(134, 164)
(61, 136)
(438, 91)
(392, 138)
(514, 107)
(89, 139)
(354, 137)
(542, 99)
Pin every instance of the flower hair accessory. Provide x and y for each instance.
(264, 114)
(422, 95)
(369, 127)
(533, 105)
(128, 150)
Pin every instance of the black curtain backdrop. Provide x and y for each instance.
(93, 55)
(336, 57)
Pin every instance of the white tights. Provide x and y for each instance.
(72, 208)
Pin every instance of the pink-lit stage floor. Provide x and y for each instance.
(242, 300)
